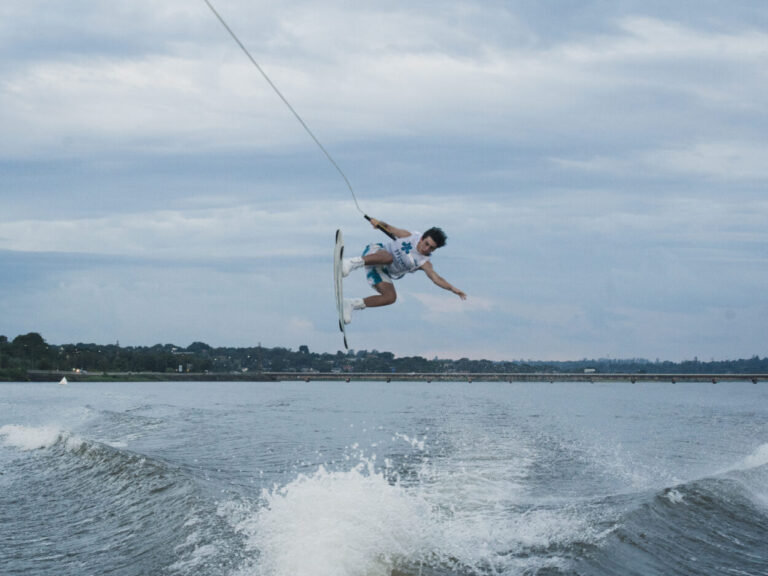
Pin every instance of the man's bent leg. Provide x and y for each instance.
(386, 295)
(379, 258)
(373, 255)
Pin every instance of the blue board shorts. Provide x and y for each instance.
(378, 273)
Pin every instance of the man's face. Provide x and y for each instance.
(426, 245)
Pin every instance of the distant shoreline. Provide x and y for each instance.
(56, 376)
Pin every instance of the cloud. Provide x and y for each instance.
(723, 161)
(210, 97)
(450, 312)
(77, 298)
(597, 170)
(244, 231)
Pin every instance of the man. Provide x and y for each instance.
(408, 252)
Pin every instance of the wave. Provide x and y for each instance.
(335, 523)
(714, 525)
(464, 515)
(77, 505)
(34, 438)
(364, 521)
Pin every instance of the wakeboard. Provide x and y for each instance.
(338, 254)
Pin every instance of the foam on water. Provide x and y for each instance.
(338, 523)
(363, 521)
(418, 444)
(674, 496)
(755, 473)
(35, 438)
(758, 458)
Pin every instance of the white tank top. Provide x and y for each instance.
(405, 257)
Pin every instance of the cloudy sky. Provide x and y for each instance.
(600, 168)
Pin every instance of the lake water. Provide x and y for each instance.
(367, 479)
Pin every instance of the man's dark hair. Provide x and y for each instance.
(437, 235)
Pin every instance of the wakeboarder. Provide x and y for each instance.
(406, 253)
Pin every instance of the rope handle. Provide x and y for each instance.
(382, 228)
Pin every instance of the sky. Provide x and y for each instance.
(600, 169)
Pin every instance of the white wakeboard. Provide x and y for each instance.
(338, 254)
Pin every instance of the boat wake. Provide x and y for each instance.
(107, 508)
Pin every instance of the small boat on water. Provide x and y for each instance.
(63, 381)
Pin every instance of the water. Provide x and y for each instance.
(369, 479)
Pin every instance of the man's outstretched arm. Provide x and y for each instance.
(440, 281)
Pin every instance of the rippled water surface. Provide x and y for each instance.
(372, 479)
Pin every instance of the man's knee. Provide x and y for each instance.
(387, 293)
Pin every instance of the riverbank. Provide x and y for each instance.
(56, 376)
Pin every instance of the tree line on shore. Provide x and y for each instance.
(31, 352)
